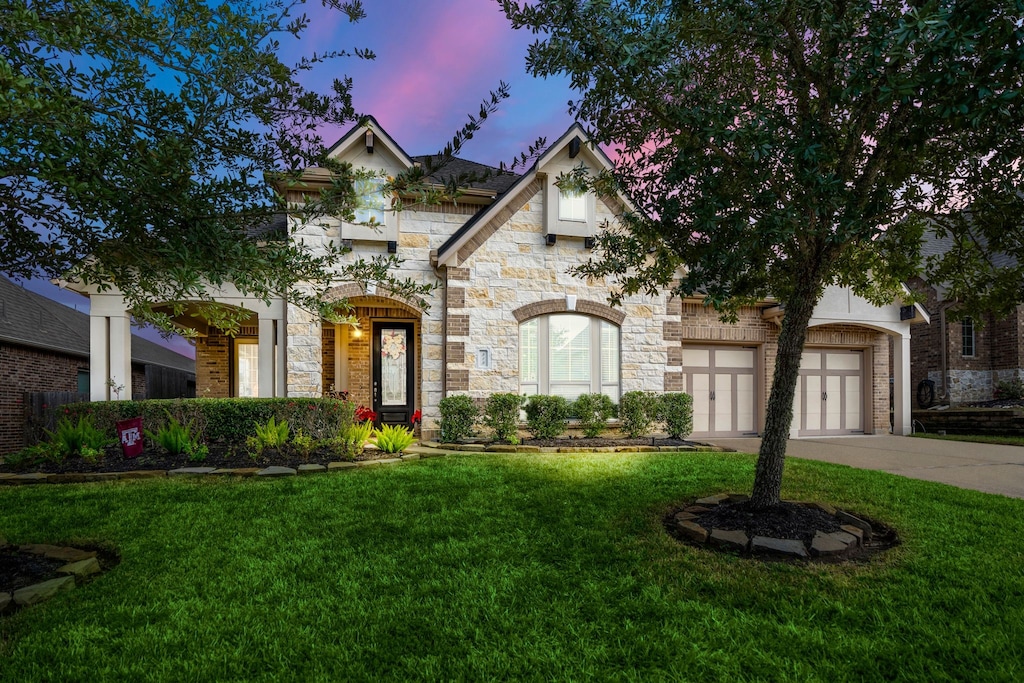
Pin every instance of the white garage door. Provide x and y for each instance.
(721, 381)
(830, 392)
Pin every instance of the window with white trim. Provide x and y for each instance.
(567, 354)
(370, 200)
(967, 336)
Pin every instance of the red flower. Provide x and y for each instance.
(45, 406)
(417, 417)
(365, 414)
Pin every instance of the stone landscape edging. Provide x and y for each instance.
(434, 450)
(81, 564)
(852, 537)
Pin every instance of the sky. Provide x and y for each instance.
(436, 60)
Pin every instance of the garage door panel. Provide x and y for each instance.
(721, 381)
(701, 402)
(745, 403)
(830, 392)
(833, 402)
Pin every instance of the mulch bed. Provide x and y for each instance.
(19, 569)
(785, 520)
(156, 459)
(583, 442)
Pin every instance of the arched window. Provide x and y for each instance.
(566, 354)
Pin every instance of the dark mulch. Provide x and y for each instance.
(785, 520)
(998, 403)
(583, 442)
(19, 569)
(156, 459)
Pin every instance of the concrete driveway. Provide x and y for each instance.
(978, 466)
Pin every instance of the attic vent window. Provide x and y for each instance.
(574, 147)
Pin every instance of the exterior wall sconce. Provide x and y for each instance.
(549, 239)
(347, 243)
(392, 247)
(589, 242)
(369, 142)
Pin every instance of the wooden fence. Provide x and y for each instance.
(39, 413)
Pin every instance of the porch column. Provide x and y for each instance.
(99, 357)
(901, 411)
(266, 357)
(121, 356)
(281, 366)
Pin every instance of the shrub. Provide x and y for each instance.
(272, 434)
(223, 419)
(637, 410)
(69, 438)
(29, 456)
(676, 410)
(350, 443)
(1010, 389)
(174, 437)
(593, 412)
(394, 438)
(303, 444)
(501, 414)
(546, 416)
(458, 415)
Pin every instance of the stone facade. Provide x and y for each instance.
(498, 262)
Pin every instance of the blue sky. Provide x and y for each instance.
(436, 61)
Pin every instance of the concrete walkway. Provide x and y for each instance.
(982, 467)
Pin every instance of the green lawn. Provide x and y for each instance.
(478, 567)
(975, 438)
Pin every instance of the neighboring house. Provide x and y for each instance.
(507, 317)
(962, 361)
(44, 346)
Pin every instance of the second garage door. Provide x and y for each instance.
(721, 381)
(830, 392)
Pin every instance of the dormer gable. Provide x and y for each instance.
(568, 211)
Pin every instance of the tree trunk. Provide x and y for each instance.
(779, 416)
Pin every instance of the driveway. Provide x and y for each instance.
(978, 466)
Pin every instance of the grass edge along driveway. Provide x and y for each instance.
(508, 567)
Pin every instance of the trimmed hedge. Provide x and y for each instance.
(458, 415)
(501, 414)
(230, 420)
(677, 413)
(546, 416)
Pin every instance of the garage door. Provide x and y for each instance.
(721, 381)
(830, 392)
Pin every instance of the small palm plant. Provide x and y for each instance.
(394, 438)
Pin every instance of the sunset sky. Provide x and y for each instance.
(436, 60)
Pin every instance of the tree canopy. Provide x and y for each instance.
(772, 148)
(135, 141)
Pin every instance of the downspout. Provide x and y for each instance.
(944, 353)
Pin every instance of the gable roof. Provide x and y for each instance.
(359, 129)
(450, 249)
(498, 181)
(30, 319)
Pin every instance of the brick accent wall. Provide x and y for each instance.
(26, 370)
(458, 326)
(455, 352)
(213, 365)
(456, 297)
(998, 355)
(456, 379)
(458, 273)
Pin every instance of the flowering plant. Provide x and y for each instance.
(364, 414)
(417, 417)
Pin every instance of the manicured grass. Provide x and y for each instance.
(484, 567)
(976, 438)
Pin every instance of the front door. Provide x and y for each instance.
(394, 372)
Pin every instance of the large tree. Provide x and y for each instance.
(772, 148)
(135, 140)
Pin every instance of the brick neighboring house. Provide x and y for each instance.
(955, 362)
(44, 346)
(508, 317)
